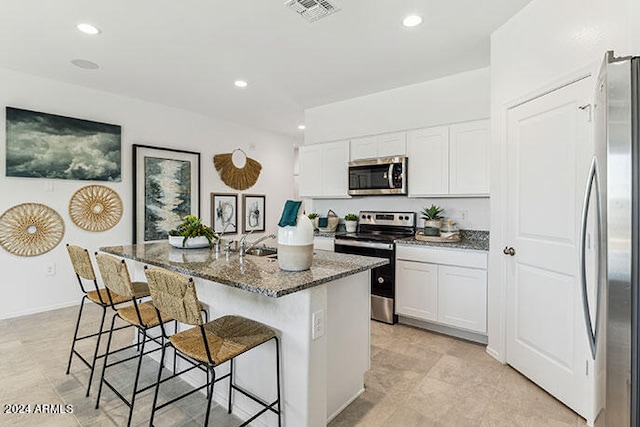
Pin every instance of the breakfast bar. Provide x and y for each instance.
(321, 315)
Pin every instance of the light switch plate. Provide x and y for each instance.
(317, 324)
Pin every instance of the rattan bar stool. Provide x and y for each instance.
(141, 315)
(207, 344)
(102, 297)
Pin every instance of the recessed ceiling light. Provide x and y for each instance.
(84, 64)
(241, 83)
(88, 29)
(412, 21)
(302, 127)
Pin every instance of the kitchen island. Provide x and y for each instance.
(321, 315)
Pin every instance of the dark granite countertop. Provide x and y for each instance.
(252, 273)
(471, 240)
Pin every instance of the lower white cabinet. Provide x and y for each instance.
(462, 297)
(444, 286)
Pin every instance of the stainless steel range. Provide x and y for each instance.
(376, 234)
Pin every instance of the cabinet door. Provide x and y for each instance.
(311, 170)
(428, 161)
(392, 144)
(462, 298)
(335, 176)
(469, 158)
(417, 290)
(364, 148)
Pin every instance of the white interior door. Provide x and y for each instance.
(549, 148)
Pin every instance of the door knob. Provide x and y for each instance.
(509, 251)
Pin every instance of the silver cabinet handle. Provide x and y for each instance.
(509, 251)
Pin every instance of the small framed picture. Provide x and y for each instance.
(224, 213)
(253, 213)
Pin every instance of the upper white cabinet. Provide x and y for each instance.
(385, 145)
(323, 170)
(449, 160)
(469, 158)
(428, 161)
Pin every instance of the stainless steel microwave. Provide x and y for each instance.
(378, 176)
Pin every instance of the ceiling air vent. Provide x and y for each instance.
(312, 10)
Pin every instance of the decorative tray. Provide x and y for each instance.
(451, 239)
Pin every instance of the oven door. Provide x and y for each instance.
(382, 278)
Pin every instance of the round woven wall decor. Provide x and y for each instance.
(235, 177)
(30, 229)
(95, 208)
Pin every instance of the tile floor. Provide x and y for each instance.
(417, 379)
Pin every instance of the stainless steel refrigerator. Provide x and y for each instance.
(610, 239)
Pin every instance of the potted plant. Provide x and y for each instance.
(192, 233)
(351, 222)
(432, 220)
(314, 217)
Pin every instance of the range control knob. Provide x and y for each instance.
(381, 280)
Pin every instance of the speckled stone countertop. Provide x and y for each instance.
(471, 240)
(252, 273)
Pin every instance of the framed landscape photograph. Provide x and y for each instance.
(166, 188)
(41, 145)
(252, 213)
(224, 213)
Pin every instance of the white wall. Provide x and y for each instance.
(458, 98)
(27, 288)
(544, 44)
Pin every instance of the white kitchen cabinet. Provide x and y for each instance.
(418, 295)
(462, 297)
(323, 170)
(469, 158)
(449, 160)
(428, 161)
(375, 146)
(443, 286)
(324, 243)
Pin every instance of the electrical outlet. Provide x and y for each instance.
(464, 214)
(317, 324)
(50, 269)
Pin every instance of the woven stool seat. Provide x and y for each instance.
(227, 337)
(141, 290)
(144, 316)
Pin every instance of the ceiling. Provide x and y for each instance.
(187, 54)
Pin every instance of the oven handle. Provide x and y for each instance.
(362, 244)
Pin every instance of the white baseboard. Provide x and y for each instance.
(38, 310)
(343, 407)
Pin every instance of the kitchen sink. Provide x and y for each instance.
(262, 251)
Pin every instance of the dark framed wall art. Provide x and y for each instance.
(166, 188)
(224, 213)
(253, 212)
(42, 145)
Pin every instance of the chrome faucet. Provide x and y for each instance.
(243, 242)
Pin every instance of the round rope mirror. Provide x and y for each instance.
(95, 208)
(30, 229)
(237, 170)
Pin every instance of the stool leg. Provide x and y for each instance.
(231, 370)
(75, 334)
(278, 380)
(95, 352)
(155, 393)
(135, 382)
(106, 356)
(210, 397)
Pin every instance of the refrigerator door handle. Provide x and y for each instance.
(593, 185)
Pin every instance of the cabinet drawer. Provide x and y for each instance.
(324, 243)
(444, 256)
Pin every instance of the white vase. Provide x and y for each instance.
(191, 243)
(351, 226)
(295, 245)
